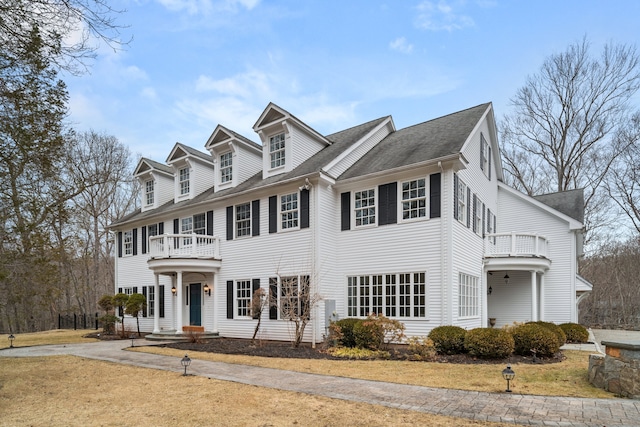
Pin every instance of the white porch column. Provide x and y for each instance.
(534, 297)
(178, 302)
(215, 302)
(485, 298)
(156, 304)
(542, 316)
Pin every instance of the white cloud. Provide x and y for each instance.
(149, 93)
(400, 44)
(442, 16)
(205, 7)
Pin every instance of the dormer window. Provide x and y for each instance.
(148, 192)
(183, 175)
(226, 167)
(276, 150)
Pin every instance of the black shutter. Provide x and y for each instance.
(434, 195)
(255, 285)
(273, 298)
(135, 289)
(304, 208)
(176, 230)
(495, 230)
(305, 291)
(345, 211)
(229, 299)
(273, 214)
(255, 218)
(481, 152)
(144, 239)
(468, 207)
(161, 228)
(455, 196)
(120, 308)
(484, 230)
(119, 244)
(489, 156)
(209, 223)
(475, 227)
(229, 222)
(388, 203)
(135, 241)
(144, 292)
(160, 297)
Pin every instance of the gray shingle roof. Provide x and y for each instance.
(570, 203)
(157, 165)
(430, 140)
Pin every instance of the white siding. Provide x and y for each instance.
(359, 151)
(246, 164)
(201, 178)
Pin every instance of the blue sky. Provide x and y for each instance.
(194, 64)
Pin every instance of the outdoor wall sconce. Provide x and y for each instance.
(174, 290)
(508, 375)
(489, 290)
(506, 279)
(207, 289)
(11, 338)
(185, 362)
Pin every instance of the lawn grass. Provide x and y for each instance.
(72, 391)
(55, 336)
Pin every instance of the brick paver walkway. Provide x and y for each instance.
(499, 407)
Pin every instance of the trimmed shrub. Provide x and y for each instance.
(421, 348)
(557, 330)
(575, 333)
(489, 343)
(532, 338)
(448, 339)
(342, 331)
(368, 334)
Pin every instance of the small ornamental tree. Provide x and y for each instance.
(108, 320)
(135, 305)
(120, 302)
(295, 302)
(259, 303)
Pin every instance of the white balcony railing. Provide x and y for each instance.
(184, 246)
(516, 245)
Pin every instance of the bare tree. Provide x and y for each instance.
(259, 303)
(295, 302)
(624, 183)
(561, 135)
(71, 29)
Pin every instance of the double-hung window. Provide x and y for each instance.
(414, 199)
(462, 201)
(477, 209)
(294, 297)
(289, 211)
(195, 224)
(151, 298)
(468, 296)
(276, 150)
(148, 192)
(226, 167)
(128, 242)
(243, 220)
(485, 156)
(183, 177)
(365, 207)
(243, 298)
(394, 295)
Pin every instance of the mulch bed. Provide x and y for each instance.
(305, 351)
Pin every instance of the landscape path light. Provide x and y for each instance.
(508, 375)
(11, 338)
(185, 362)
(132, 338)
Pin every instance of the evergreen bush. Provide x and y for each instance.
(448, 339)
(342, 331)
(575, 333)
(557, 330)
(535, 339)
(489, 343)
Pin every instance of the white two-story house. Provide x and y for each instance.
(415, 224)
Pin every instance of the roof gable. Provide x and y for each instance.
(426, 141)
(222, 134)
(181, 151)
(147, 165)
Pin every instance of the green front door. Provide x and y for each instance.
(195, 304)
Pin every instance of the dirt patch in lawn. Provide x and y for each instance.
(282, 349)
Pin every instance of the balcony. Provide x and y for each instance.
(501, 245)
(184, 246)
